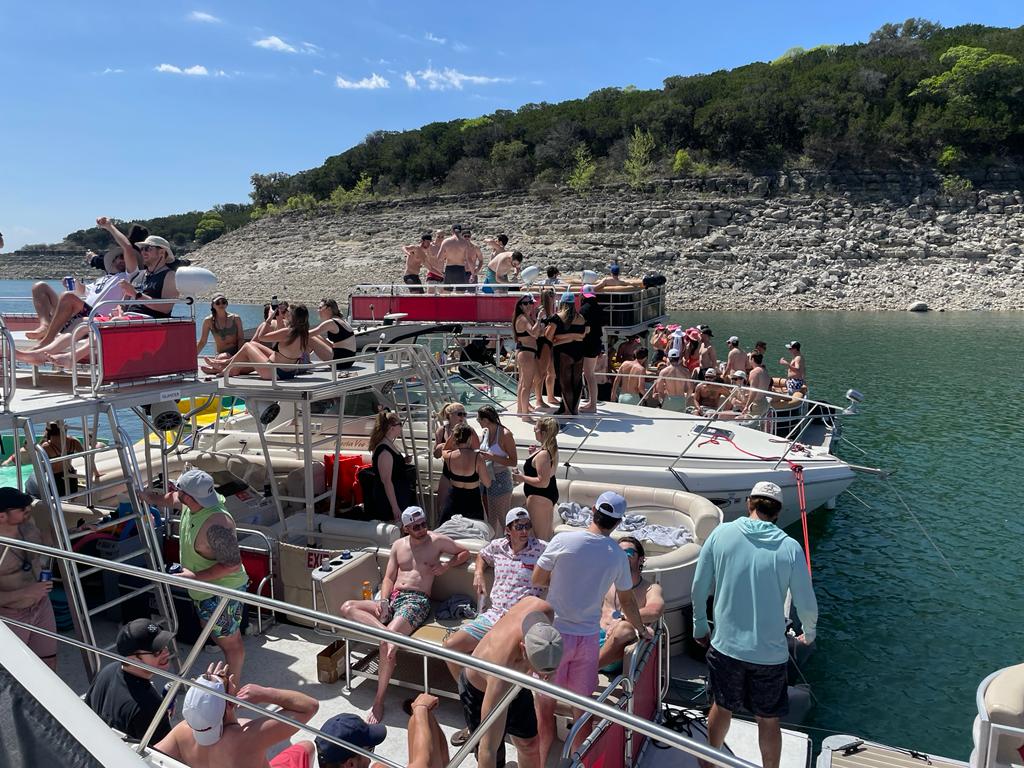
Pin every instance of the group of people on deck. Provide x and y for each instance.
(454, 259)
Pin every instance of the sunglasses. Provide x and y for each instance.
(416, 526)
(459, 413)
(630, 552)
(220, 303)
(145, 248)
(522, 526)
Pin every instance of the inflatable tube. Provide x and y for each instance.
(529, 275)
(589, 276)
(194, 281)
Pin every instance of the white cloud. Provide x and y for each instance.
(220, 73)
(653, 60)
(317, 72)
(109, 71)
(459, 47)
(435, 39)
(311, 48)
(197, 70)
(275, 43)
(448, 78)
(410, 80)
(202, 16)
(371, 83)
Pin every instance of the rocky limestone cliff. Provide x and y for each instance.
(786, 242)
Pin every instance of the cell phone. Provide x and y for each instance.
(274, 303)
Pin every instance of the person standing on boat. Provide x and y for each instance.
(24, 596)
(570, 330)
(617, 634)
(449, 417)
(545, 378)
(524, 640)
(226, 327)
(737, 358)
(416, 257)
(538, 477)
(593, 313)
(339, 333)
(455, 255)
(214, 736)
(578, 568)
(525, 330)
(498, 450)
(499, 268)
(631, 381)
(122, 694)
(474, 257)
(752, 564)
(404, 606)
(467, 471)
(209, 553)
(708, 358)
(757, 401)
(760, 348)
(796, 369)
(674, 385)
(392, 491)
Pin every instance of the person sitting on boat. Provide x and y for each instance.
(538, 477)
(467, 471)
(631, 383)
(338, 331)
(570, 330)
(209, 553)
(499, 268)
(751, 564)
(392, 491)
(674, 385)
(612, 279)
(226, 327)
(426, 744)
(708, 395)
(523, 640)
(617, 634)
(213, 735)
(405, 591)
(796, 369)
(24, 596)
(498, 450)
(756, 404)
(513, 557)
(294, 345)
(525, 330)
(737, 358)
(123, 694)
(416, 257)
(156, 280)
(553, 276)
(449, 417)
(578, 567)
(708, 358)
(736, 400)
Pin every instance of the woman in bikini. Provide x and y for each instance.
(525, 328)
(339, 333)
(294, 344)
(545, 376)
(538, 478)
(467, 471)
(449, 417)
(225, 326)
(498, 449)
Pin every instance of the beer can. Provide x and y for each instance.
(46, 575)
(69, 283)
(174, 569)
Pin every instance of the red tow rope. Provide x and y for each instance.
(798, 473)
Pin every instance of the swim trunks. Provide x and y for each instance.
(478, 627)
(38, 615)
(761, 689)
(412, 605)
(229, 622)
(433, 277)
(294, 756)
(794, 385)
(674, 403)
(628, 398)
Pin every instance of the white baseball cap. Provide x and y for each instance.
(204, 711)
(611, 504)
(766, 490)
(413, 515)
(516, 513)
(733, 340)
(674, 354)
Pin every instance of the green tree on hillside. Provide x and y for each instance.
(581, 177)
(638, 165)
(210, 227)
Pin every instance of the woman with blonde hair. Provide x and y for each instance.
(449, 417)
(538, 478)
(526, 329)
(545, 375)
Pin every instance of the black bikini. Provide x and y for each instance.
(342, 334)
(464, 501)
(520, 347)
(550, 491)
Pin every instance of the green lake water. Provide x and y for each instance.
(904, 637)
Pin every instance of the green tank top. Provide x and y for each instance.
(191, 522)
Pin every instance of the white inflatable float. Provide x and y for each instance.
(194, 281)
(589, 277)
(529, 275)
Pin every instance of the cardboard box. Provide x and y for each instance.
(329, 661)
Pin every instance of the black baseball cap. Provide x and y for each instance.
(705, 329)
(456, 227)
(350, 728)
(426, 236)
(142, 636)
(12, 498)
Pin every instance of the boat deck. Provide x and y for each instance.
(850, 752)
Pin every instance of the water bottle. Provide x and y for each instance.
(367, 592)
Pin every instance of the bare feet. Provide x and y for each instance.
(60, 361)
(31, 356)
(376, 713)
(209, 370)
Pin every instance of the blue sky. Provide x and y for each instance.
(137, 109)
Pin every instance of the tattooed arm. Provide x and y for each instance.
(220, 544)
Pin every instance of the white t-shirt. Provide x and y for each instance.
(105, 293)
(583, 565)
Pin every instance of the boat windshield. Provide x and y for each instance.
(471, 393)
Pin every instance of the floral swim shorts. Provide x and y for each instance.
(229, 622)
(412, 605)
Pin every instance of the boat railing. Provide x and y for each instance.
(988, 732)
(7, 361)
(363, 632)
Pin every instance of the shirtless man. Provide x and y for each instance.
(426, 745)
(757, 402)
(617, 634)
(631, 383)
(455, 255)
(796, 371)
(435, 267)
(737, 359)
(416, 257)
(627, 349)
(611, 279)
(523, 640)
(500, 267)
(213, 736)
(405, 591)
(674, 385)
(475, 259)
(760, 348)
(708, 394)
(708, 359)
(23, 595)
(497, 244)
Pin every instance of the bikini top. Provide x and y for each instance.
(340, 335)
(520, 334)
(229, 331)
(495, 448)
(473, 478)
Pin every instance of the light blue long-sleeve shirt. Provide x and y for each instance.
(752, 564)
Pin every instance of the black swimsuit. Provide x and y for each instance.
(399, 481)
(523, 348)
(334, 337)
(467, 502)
(550, 491)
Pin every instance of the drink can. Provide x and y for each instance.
(46, 575)
(174, 569)
(69, 283)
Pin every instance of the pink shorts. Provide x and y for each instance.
(295, 756)
(39, 615)
(578, 670)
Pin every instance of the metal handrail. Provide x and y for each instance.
(368, 633)
(10, 379)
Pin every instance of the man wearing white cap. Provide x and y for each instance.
(213, 735)
(524, 640)
(209, 553)
(589, 557)
(513, 558)
(752, 564)
(796, 370)
(404, 604)
(674, 385)
(737, 358)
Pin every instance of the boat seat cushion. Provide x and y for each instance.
(1004, 702)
